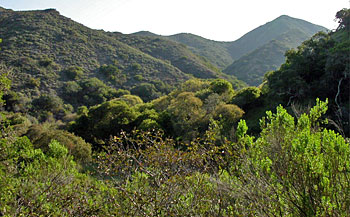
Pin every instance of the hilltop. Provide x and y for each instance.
(176, 54)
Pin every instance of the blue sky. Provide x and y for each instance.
(223, 20)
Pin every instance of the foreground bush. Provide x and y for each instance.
(160, 177)
(36, 184)
(297, 168)
(294, 168)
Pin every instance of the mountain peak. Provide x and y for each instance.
(283, 17)
(51, 10)
(267, 42)
(144, 33)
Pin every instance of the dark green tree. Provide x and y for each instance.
(146, 91)
(105, 120)
(343, 18)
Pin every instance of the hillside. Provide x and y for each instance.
(252, 67)
(214, 51)
(43, 44)
(246, 57)
(269, 31)
(50, 54)
(176, 54)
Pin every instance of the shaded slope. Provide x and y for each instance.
(252, 67)
(177, 54)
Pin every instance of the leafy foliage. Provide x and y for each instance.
(319, 64)
(183, 114)
(42, 135)
(247, 97)
(343, 17)
(301, 168)
(4, 82)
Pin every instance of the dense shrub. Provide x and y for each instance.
(297, 168)
(246, 97)
(74, 72)
(227, 115)
(33, 183)
(102, 121)
(50, 103)
(146, 91)
(41, 136)
(131, 100)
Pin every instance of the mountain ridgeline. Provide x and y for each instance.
(255, 53)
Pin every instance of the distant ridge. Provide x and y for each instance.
(269, 31)
(216, 52)
(262, 49)
(145, 33)
(256, 52)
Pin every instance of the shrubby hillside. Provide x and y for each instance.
(59, 65)
(178, 55)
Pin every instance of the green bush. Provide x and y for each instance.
(131, 100)
(146, 91)
(297, 168)
(94, 91)
(110, 71)
(105, 120)
(136, 67)
(221, 86)
(227, 115)
(41, 136)
(45, 61)
(33, 183)
(246, 97)
(148, 124)
(74, 72)
(49, 103)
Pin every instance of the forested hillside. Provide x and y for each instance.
(319, 67)
(78, 140)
